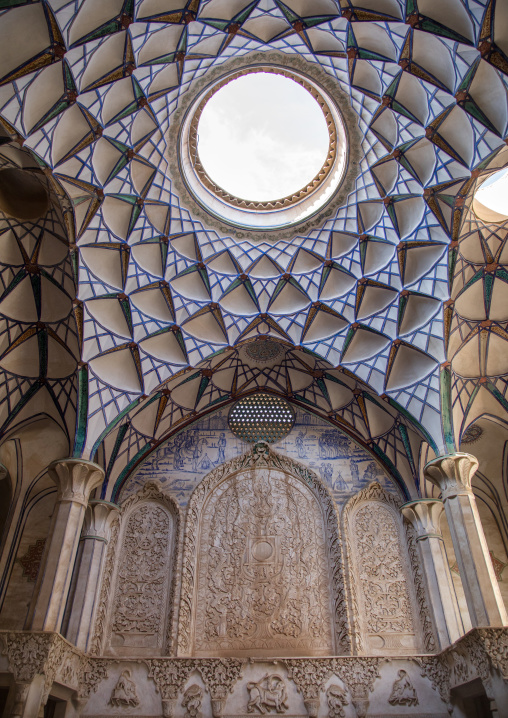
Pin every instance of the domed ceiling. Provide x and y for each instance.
(156, 305)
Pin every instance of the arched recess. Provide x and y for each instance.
(262, 570)
(137, 594)
(26, 451)
(386, 596)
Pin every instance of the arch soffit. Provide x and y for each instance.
(261, 457)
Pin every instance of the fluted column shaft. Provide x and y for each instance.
(75, 479)
(425, 516)
(91, 553)
(453, 474)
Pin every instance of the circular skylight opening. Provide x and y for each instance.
(262, 137)
(490, 201)
(263, 148)
(261, 417)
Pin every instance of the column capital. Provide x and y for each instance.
(452, 474)
(75, 479)
(425, 516)
(98, 517)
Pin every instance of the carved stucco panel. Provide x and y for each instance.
(261, 459)
(380, 575)
(263, 577)
(141, 587)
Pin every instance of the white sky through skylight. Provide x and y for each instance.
(493, 193)
(262, 137)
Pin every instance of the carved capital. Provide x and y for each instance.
(424, 515)
(27, 654)
(98, 518)
(75, 479)
(452, 474)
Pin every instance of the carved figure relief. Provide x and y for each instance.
(124, 693)
(264, 576)
(143, 579)
(384, 595)
(267, 695)
(191, 701)
(403, 693)
(336, 699)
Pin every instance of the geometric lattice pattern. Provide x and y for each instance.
(261, 417)
(90, 90)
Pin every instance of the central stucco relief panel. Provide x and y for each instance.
(263, 573)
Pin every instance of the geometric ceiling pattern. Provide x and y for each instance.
(89, 89)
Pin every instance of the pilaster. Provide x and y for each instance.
(453, 474)
(75, 479)
(89, 563)
(425, 516)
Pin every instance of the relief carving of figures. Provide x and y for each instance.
(336, 699)
(380, 565)
(267, 694)
(263, 583)
(403, 693)
(144, 572)
(191, 701)
(240, 611)
(124, 693)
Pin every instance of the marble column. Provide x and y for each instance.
(453, 474)
(75, 479)
(425, 516)
(91, 554)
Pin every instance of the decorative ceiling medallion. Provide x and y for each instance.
(261, 417)
(268, 220)
(264, 350)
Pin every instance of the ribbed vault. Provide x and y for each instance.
(165, 304)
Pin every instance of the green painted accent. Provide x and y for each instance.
(34, 388)
(321, 384)
(488, 285)
(393, 470)
(409, 453)
(468, 77)
(217, 24)
(428, 25)
(109, 28)
(129, 198)
(42, 341)
(81, 412)
(472, 108)
(445, 386)
(407, 415)
(411, 7)
(136, 211)
(202, 388)
(244, 14)
(117, 420)
(14, 283)
(402, 308)
(287, 12)
(369, 55)
(35, 281)
(116, 448)
(126, 471)
(497, 395)
(452, 261)
(397, 107)
(126, 309)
